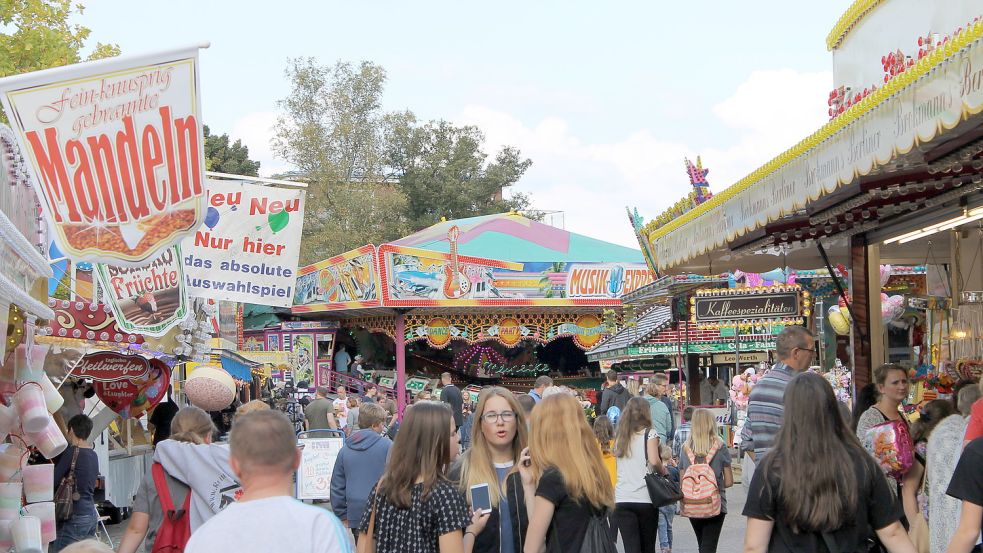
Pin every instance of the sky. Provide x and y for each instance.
(606, 98)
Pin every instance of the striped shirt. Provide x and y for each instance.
(766, 410)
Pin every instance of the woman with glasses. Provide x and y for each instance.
(498, 437)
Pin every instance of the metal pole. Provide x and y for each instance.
(400, 339)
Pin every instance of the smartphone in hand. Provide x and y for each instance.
(480, 500)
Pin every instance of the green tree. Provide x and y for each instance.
(331, 129)
(36, 34)
(373, 175)
(444, 172)
(222, 157)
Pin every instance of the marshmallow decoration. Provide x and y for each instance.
(210, 388)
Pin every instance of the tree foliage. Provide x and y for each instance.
(36, 34)
(443, 172)
(331, 130)
(375, 175)
(222, 157)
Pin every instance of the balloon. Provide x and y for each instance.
(885, 274)
(278, 221)
(211, 218)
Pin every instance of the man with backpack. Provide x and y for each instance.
(615, 395)
(264, 457)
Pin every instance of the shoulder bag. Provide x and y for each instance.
(66, 495)
(366, 541)
(662, 491)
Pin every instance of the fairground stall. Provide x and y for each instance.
(499, 298)
(894, 179)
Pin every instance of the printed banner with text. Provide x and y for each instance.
(248, 248)
(147, 300)
(117, 152)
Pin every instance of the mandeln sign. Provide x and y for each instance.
(116, 150)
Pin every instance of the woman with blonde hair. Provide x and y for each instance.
(636, 449)
(704, 446)
(498, 437)
(566, 484)
(189, 425)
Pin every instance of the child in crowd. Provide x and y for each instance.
(668, 511)
(604, 432)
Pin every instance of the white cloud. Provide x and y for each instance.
(255, 130)
(593, 182)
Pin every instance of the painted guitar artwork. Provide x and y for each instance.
(456, 283)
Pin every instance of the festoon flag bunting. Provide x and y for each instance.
(248, 248)
(117, 152)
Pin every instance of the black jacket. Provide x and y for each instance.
(489, 540)
(616, 395)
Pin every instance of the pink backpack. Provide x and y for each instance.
(701, 494)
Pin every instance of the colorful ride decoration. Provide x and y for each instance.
(700, 194)
(475, 327)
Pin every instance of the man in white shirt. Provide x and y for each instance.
(713, 391)
(264, 457)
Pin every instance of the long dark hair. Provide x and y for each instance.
(636, 417)
(866, 398)
(813, 459)
(931, 415)
(423, 449)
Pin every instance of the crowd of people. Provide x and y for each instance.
(528, 472)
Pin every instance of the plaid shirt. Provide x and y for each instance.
(766, 410)
(682, 434)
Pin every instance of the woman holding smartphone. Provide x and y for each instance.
(566, 483)
(498, 438)
(413, 508)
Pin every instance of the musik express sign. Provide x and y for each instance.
(736, 305)
(606, 280)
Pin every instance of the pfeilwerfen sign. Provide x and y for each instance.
(755, 307)
(116, 150)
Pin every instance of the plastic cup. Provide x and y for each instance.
(45, 512)
(39, 483)
(29, 402)
(6, 540)
(50, 441)
(26, 534)
(52, 399)
(12, 460)
(10, 494)
(8, 421)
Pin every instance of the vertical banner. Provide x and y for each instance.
(248, 248)
(147, 300)
(117, 152)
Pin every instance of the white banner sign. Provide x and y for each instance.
(248, 247)
(147, 300)
(937, 101)
(116, 150)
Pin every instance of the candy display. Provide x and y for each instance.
(890, 444)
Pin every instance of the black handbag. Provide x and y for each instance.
(662, 491)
